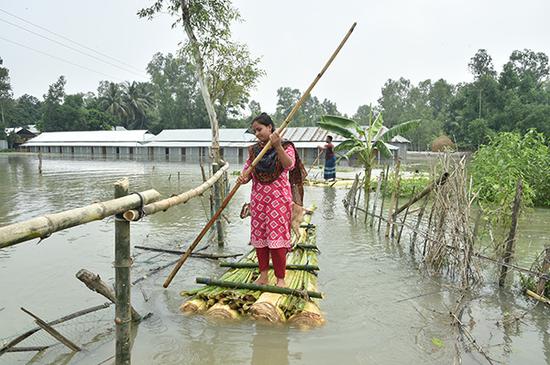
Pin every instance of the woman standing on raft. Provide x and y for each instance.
(271, 198)
(330, 159)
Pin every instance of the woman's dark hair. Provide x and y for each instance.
(265, 119)
(329, 138)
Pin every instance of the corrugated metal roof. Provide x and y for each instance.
(399, 139)
(75, 138)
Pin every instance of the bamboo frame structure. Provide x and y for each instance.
(162, 205)
(42, 227)
(280, 131)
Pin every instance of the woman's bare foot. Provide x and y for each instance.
(281, 283)
(262, 279)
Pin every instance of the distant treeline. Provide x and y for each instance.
(515, 99)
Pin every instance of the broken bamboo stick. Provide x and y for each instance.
(439, 182)
(66, 318)
(58, 336)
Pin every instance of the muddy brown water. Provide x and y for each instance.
(380, 307)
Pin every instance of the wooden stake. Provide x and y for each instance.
(40, 163)
(418, 221)
(384, 188)
(217, 203)
(510, 240)
(46, 327)
(280, 131)
(376, 196)
(403, 221)
(123, 262)
(545, 267)
(393, 200)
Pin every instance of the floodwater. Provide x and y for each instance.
(380, 307)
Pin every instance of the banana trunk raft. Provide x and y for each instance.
(233, 295)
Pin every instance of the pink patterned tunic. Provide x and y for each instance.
(271, 209)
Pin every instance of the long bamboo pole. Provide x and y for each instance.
(50, 223)
(280, 131)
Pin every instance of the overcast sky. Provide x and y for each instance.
(393, 38)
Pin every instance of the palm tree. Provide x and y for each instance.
(138, 99)
(112, 101)
(364, 141)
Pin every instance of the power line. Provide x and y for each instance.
(59, 58)
(71, 48)
(70, 40)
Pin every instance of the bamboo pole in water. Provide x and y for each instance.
(384, 188)
(393, 201)
(42, 227)
(510, 240)
(162, 205)
(123, 261)
(376, 196)
(545, 267)
(280, 131)
(217, 204)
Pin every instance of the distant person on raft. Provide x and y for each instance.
(330, 159)
(277, 181)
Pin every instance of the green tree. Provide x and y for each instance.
(364, 142)
(224, 69)
(111, 97)
(138, 100)
(5, 94)
(497, 166)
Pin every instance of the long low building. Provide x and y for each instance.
(192, 145)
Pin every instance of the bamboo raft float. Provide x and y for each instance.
(234, 296)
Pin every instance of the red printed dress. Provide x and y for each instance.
(271, 209)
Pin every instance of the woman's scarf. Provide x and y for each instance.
(269, 168)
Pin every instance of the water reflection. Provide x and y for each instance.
(270, 345)
(329, 201)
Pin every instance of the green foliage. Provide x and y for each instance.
(496, 168)
(407, 186)
(310, 112)
(528, 282)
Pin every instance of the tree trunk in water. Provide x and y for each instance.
(199, 66)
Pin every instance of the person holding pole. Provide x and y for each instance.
(330, 160)
(276, 183)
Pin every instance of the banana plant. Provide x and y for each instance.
(364, 142)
